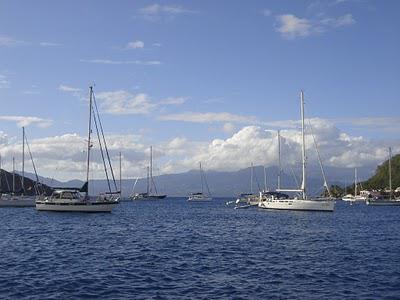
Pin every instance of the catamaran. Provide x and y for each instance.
(151, 188)
(78, 200)
(384, 201)
(201, 196)
(303, 201)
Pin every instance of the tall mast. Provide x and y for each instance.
(13, 184)
(265, 179)
(201, 179)
(148, 180)
(303, 148)
(151, 165)
(120, 175)
(355, 182)
(23, 159)
(279, 160)
(390, 172)
(251, 178)
(89, 145)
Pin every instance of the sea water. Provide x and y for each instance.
(172, 249)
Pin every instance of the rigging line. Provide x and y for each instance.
(37, 183)
(101, 150)
(105, 143)
(295, 177)
(319, 160)
(258, 183)
(206, 183)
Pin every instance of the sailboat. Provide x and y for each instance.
(384, 201)
(151, 188)
(20, 199)
(200, 196)
(78, 199)
(303, 202)
(356, 197)
(250, 199)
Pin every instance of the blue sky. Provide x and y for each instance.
(198, 71)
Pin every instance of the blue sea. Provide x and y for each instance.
(172, 249)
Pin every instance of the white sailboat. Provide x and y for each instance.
(78, 200)
(384, 201)
(151, 188)
(201, 196)
(356, 197)
(248, 199)
(303, 202)
(20, 199)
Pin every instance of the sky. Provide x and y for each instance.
(208, 81)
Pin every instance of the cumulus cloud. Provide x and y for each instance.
(27, 120)
(291, 26)
(250, 144)
(135, 45)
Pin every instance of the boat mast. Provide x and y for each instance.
(23, 160)
(390, 172)
(279, 159)
(89, 145)
(13, 184)
(151, 167)
(120, 175)
(201, 178)
(303, 148)
(355, 182)
(251, 178)
(265, 179)
(148, 180)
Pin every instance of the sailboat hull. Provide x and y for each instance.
(297, 204)
(76, 207)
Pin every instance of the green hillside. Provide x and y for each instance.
(381, 178)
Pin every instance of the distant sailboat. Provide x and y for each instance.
(304, 202)
(249, 199)
(201, 196)
(384, 201)
(78, 200)
(151, 188)
(19, 198)
(356, 197)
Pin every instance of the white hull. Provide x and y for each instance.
(204, 199)
(77, 207)
(298, 204)
(17, 201)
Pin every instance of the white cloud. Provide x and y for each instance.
(69, 89)
(122, 62)
(135, 45)
(4, 83)
(49, 44)
(156, 12)
(6, 41)
(173, 101)
(228, 127)
(208, 117)
(249, 144)
(122, 102)
(27, 120)
(290, 26)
